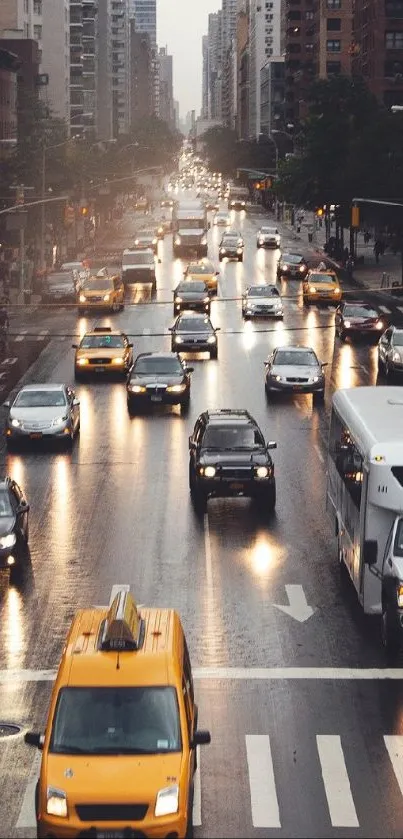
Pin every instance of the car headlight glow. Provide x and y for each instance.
(284, 267)
(279, 378)
(337, 290)
(178, 299)
(314, 379)
(239, 250)
(203, 240)
(136, 241)
(177, 240)
(82, 362)
(155, 241)
(312, 289)
(167, 801)
(206, 300)
(379, 325)
(82, 298)
(137, 388)
(178, 339)
(106, 297)
(16, 423)
(212, 339)
(56, 802)
(347, 324)
(262, 472)
(118, 360)
(261, 241)
(8, 541)
(176, 388)
(302, 268)
(222, 250)
(210, 471)
(396, 356)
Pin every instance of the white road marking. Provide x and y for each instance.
(337, 783)
(319, 453)
(263, 794)
(41, 336)
(147, 331)
(207, 553)
(385, 310)
(27, 816)
(197, 793)
(298, 607)
(394, 745)
(9, 361)
(22, 335)
(242, 674)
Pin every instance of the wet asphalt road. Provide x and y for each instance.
(316, 753)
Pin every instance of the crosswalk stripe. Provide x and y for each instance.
(337, 784)
(27, 816)
(385, 310)
(42, 334)
(22, 335)
(394, 745)
(264, 802)
(10, 361)
(197, 820)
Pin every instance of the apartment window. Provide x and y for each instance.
(333, 24)
(309, 47)
(37, 7)
(394, 8)
(394, 40)
(37, 32)
(333, 68)
(333, 4)
(26, 30)
(309, 15)
(334, 46)
(26, 6)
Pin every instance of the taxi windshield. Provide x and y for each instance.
(197, 269)
(116, 720)
(322, 278)
(97, 284)
(93, 341)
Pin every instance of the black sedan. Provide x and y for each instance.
(231, 247)
(194, 333)
(193, 295)
(292, 266)
(13, 524)
(358, 319)
(157, 378)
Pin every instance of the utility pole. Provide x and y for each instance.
(20, 191)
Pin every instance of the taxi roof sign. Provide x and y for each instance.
(123, 628)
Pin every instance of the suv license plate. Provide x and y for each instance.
(100, 369)
(110, 834)
(297, 387)
(236, 485)
(156, 399)
(35, 435)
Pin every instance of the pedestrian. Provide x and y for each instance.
(366, 237)
(310, 233)
(377, 250)
(346, 254)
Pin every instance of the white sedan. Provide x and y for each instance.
(268, 237)
(222, 219)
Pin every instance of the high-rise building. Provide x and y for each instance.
(214, 65)
(144, 13)
(141, 79)
(83, 70)
(242, 61)
(272, 93)
(166, 111)
(377, 47)
(104, 71)
(205, 77)
(120, 45)
(9, 67)
(264, 42)
(228, 33)
(56, 55)
(22, 15)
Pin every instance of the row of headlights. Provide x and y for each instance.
(16, 423)
(285, 267)
(178, 340)
(311, 381)
(181, 300)
(203, 240)
(154, 241)
(378, 325)
(166, 803)
(169, 389)
(82, 362)
(259, 471)
(84, 299)
(314, 290)
(224, 250)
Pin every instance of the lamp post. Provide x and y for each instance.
(43, 191)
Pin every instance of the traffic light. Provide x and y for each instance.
(84, 211)
(319, 212)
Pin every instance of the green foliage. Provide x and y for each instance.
(226, 153)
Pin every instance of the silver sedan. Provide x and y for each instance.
(43, 412)
(390, 351)
(295, 369)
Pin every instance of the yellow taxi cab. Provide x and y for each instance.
(119, 750)
(102, 290)
(103, 350)
(321, 285)
(203, 270)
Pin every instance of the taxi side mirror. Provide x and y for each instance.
(33, 738)
(200, 738)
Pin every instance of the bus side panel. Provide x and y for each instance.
(348, 519)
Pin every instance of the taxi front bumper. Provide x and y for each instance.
(164, 828)
(323, 296)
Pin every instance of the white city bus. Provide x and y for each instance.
(365, 496)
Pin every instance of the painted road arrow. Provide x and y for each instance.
(298, 607)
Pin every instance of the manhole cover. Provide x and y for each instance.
(8, 729)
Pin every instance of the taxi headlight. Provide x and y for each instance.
(118, 360)
(262, 472)
(82, 362)
(379, 325)
(106, 297)
(400, 595)
(82, 298)
(312, 289)
(178, 339)
(176, 388)
(210, 471)
(347, 324)
(56, 802)
(167, 801)
(16, 423)
(137, 388)
(212, 339)
(337, 290)
(8, 541)
(396, 356)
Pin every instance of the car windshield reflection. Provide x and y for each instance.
(307, 359)
(40, 399)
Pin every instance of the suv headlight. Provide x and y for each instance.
(167, 801)
(59, 420)
(178, 339)
(56, 802)
(210, 471)
(396, 356)
(312, 289)
(262, 472)
(8, 541)
(82, 298)
(212, 339)
(176, 388)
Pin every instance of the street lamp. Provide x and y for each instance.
(43, 190)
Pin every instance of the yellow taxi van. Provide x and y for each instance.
(119, 749)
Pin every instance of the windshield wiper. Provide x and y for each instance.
(125, 750)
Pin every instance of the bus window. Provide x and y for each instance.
(347, 459)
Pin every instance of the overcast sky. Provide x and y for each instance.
(181, 25)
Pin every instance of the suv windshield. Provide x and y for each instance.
(291, 257)
(40, 399)
(191, 287)
(191, 223)
(232, 437)
(91, 342)
(116, 720)
(296, 357)
(196, 325)
(162, 366)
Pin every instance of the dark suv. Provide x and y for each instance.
(229, 458)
